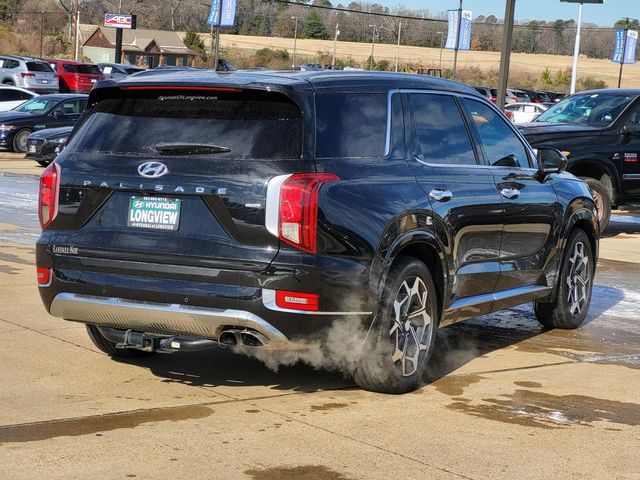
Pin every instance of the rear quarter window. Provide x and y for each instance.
(351, 125)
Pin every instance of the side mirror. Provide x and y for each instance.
(551, 160)
(56, 114)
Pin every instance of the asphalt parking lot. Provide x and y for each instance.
(504, 399)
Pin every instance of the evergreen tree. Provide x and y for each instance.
(314, 28)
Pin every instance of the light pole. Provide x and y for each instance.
(295, 39)
(576, 47)
(455, 53)
(441, 46)
(373, 45)
(335, 41)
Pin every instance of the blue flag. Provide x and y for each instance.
(214, 13)
(228, 17)
(464, 35)
(625, 51)
(223, 13)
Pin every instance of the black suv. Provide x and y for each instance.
(296, 210)
(599, 132)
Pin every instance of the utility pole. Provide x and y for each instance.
(373, 45)
(295, 40)
(41, 33)
(398, 52)
(455, 53)
(505, 56)
(335, 42)
(77, 52)
(441, 47)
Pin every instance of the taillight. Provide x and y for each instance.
(48, 197)
(44, 276)
(297, 300)
(25, 74)
(292, 208)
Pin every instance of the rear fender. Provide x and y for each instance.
(398, 240)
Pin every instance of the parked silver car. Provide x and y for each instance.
(27, 72)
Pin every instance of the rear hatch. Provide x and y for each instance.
(40, 74)
(84, 75)
(178, 176)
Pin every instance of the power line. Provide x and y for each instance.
(425, 19)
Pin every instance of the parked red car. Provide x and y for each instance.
(75, 76)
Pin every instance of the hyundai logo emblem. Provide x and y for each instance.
(152, 169)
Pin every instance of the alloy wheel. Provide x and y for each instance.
(21, 141)
(411, 329)
(578, 279)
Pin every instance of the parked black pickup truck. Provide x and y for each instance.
(599, 132)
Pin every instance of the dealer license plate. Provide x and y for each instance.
(154, 213)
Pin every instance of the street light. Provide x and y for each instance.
(576, 47)
(295, 39)
(373, 45)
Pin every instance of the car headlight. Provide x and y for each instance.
(59, 141)
(566, 154)
(6, 128)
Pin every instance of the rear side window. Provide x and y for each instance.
(89, 69)
(440, 131)
(351, 125)
(39, 67)
(251, 125)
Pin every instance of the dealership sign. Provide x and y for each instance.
(464, 35)
(222, 13)
(118, 20)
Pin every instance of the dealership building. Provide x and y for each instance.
(148, 48)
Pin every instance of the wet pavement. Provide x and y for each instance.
(504, 398)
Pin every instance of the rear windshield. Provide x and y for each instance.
(351, 125)
(39, 67)
(249, 125)
(71, 68)
(131, 70)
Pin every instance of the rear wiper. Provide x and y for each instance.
(189, 148)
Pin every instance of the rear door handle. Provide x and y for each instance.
(510, 193)
(441, 195)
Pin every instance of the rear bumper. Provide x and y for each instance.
(197, 301)
(165, 318)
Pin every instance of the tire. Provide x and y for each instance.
(62, 87)
(20, 140)
(43, 163)
(569, 308)
(385, 364)
(8, 83)
(602, 200)
(110, 349)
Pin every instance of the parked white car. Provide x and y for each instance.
(523, 112)
(12, 97)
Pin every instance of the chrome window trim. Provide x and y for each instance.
(477, 98)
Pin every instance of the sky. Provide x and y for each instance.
(603, 15)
